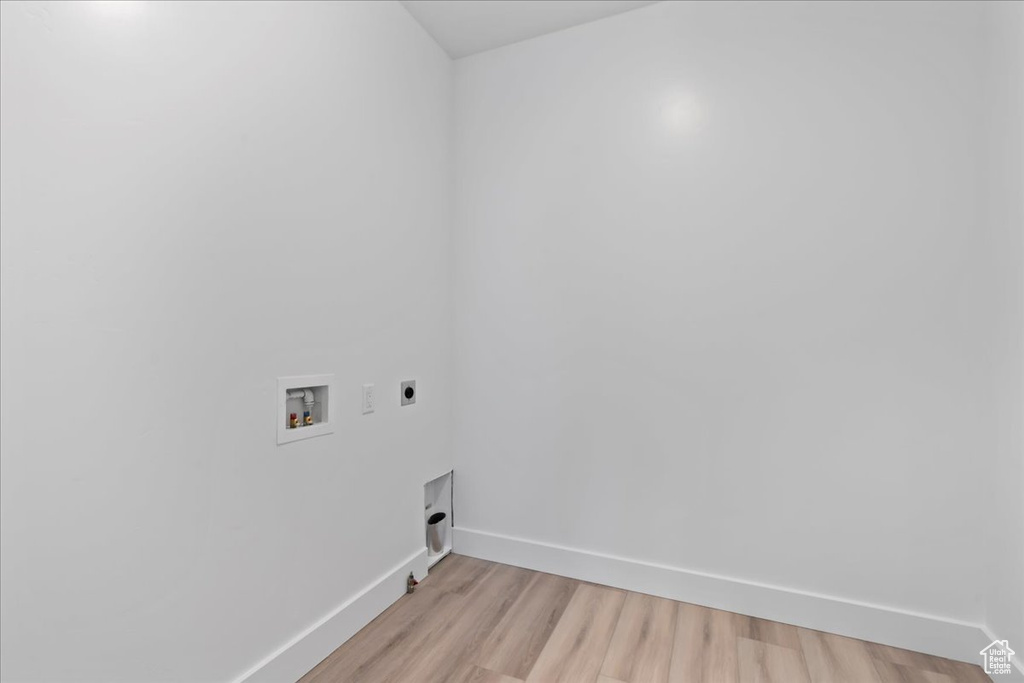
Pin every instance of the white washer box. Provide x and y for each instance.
(322, 411)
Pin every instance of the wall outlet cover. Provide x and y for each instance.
(408, 392)
(369, 399)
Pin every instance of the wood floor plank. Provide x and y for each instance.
(704, 647)
(397, 629)
(517, 641)
(457, 574)
(958, 671)
(962, 672)
(835, 659)
(772, 632)
(890, 672)
(641, 647)
(450, 644)
(575, 651)
(407, 640)
(761, 662)
(475, 674)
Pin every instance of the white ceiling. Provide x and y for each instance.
(465, 27)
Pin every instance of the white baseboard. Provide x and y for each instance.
(898, 628)
(296, 657)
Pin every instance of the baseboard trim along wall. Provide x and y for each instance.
(291, 661)
(898, 628)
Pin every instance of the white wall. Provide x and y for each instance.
(197, 199)
(717, 296)
(1004, 180)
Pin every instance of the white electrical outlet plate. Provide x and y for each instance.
(408, 394)
(369, 399)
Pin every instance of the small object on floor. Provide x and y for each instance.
(411, 583)
(307, 418)
(294, 421)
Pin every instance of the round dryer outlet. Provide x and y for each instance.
(408, 392)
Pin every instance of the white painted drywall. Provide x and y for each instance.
(1004, 181)
(198, 198)
(717, 285)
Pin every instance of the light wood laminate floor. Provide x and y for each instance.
(472, 621)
